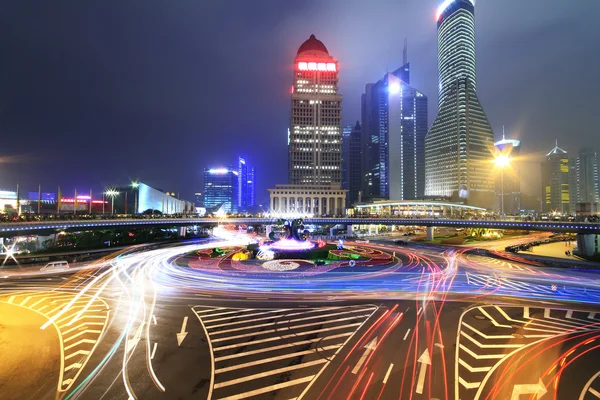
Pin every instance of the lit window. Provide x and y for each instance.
(302, 66)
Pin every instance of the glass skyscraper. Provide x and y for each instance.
(459, 147)
(221, 189)
(556, 180)
(394, 125)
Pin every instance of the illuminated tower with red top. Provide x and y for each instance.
(315, 135)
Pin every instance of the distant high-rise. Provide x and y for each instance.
(556, 176)
(512, 176)
(315, 138)
(245, 189)
(394, 125)
(251, 188)
(221, 189)
(354, 165)
(345, 155)
(459, 146)
(587, 176)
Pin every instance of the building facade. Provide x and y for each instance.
(355, 165)
(318, 200)
(394, 123)
(221, 189)
(556, 176)
(315, 133)
(245, 188)
(587, 177)
(459, 147)
(346, 131)
(508, 183)
(315, 143)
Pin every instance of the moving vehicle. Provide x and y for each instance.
(55, 265)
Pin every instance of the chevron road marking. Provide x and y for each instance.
(473, 369)
(469, 385)
(496, 324)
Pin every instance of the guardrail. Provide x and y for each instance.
(16, 228)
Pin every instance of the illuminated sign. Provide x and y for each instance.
(314, 66)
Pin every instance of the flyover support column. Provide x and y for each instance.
(588, 244)
(349, 231)
(182, 231)
(430, 233)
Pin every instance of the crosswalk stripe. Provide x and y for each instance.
(480, 356)
(281, 346)
(207, 322)
(269, 388)
(82, 341)
(239, 310)
(276, 358)
(269, 373)
(245, 328)
(293, 335)
(469, 385)
(287, 328)
(491, 346)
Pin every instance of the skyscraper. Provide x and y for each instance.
(512, 176)
(251, 188)
(459, 145)
(394, 125)
(315, 148)
(556, 195)
(221, 189)
(587, 176)
(345, 155)
(354, 165)
(245, 188)
(314, 137)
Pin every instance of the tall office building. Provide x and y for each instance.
(511, 176)
(587, 177)
(556, 179)
(245, 195)
(314, 137)
(460, 144)
(394, 125)
(345, 155)
(315, 143)
(354, 165)
(221, 189)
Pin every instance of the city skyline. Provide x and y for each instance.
(158, 116)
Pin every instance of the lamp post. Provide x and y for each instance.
(502, 161)
(112, 194)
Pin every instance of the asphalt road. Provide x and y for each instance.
(414, 322)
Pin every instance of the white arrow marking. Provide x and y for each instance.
(368, 348)
(539, 389)
(425, 361)
(181, 335)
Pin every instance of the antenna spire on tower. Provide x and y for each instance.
(503, 138)
(405, 52)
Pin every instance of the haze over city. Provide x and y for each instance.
(165, 79)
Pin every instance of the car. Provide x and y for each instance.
(401, 242)
(55, 265)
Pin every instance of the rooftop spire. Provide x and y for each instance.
(503, 137)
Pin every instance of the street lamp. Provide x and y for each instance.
(112, 194)
(502, 161)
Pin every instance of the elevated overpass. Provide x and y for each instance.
(9, 229)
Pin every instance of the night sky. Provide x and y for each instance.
(94, 93)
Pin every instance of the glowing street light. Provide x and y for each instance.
(112, 194)
(135, 186)
(502, 161)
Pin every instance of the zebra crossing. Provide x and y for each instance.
(488, 334)
(257, 351)
(79, 324)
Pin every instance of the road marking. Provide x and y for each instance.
(368, 349)
(153, 351)
(569, 314)
(80, 333)
(73, 366)
(279, 347)
(11, 298)
(269, 373)
(525, 312)
(78, 352)
(539, 389)
(483, 335)
(587, 387)
(473, 369)
(277, 358)
(154, 319)
(491, 346)
(25, 301)
(424, 360)
(208, 322)
(595, 392)
(252, 326)
(181, 335)
(592, 315)
(294, 335)
(80, 342)
(546, 313)
(406, 334)
(469, 385)
(420, 309)
(268, 389)
(288, 328)
(480, 356)
(496, 324)
(387, 374)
